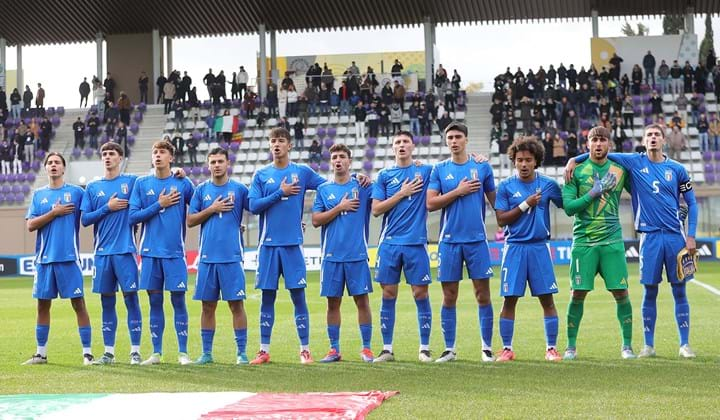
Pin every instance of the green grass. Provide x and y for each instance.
(600, 384)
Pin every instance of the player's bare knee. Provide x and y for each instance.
(579, 294)
(390, 291)
(209, 307)
(236, 306)
(620, 294)
(78, 304)
(362, 302)
(547, 302)
(334, 304)
(44, 306)
(420, 292)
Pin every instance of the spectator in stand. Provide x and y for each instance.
(143, 81)
(703, 126)
(676, 143)
(526, 112)
(324, 99)
(571, 122)
(714, 132)
(572, 145)
(45, 131)
(84, 92)
(628, 112)
(694, 108)
(559, 150)
(449, 98)
(248, 104)
(414, 122)
(79, 133)
(440, 78)
(656, 102)
(111, 115)
(701, 76)
(220, 84)
(27, 98)
(424, 119)
(676, 75)
(443, 122)
(184, 87)
(615, 66)
(209, 81)
(497, 110)
(302, 110)
(387, 94)
(572, 77)
(360, 115)
(6, 157)
(711, 60)
(384, 117)
(344, 96)
(677, 121)
(636, 79)
(396, 71)
(334, 102)
(292, 98)
(373, 120)
(688, 77)
(681, 105)
(299, 135)
(314, 152)
(328, 78)
(649, 66)
(510, 125)
(399, 95)
(242, 80)
(20, 139)
(287, 81)
(495, 134)
(15, 106)
(455, 82)
(109, 85)
(160, 87)
(121, 138)
(124, 106)
(664, 77)
(262, 116)
(312, 98)
(168, 95)
(193, 103)
(618, 134)
(192, 145)
(179, 115)
(234, 87)
(93, 125)
(178, 143)
(271, 100)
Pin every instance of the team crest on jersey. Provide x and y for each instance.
(124, 188)
(67, 196)
(231, 196)
(668, 175)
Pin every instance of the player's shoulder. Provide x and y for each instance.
(144, 180)
(507, 182)
(546, 180)
(325, 186)
(73, 188)
(236, 185)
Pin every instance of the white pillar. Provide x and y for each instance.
(169, 55)
(20, 81)
(262, 89)
(690, 20)
(156, 62)
(595, 23)
(273, 58)
(3, 64)
(429, 31)
(99, 55)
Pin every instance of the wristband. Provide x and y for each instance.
(524, 206)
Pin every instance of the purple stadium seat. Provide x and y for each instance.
(50, 111)
(627, 146)
(131, 140)
(206, 171)
(325, 155)
(232, 157)
(370, 154)
(26, 189)
(55, 121)
(236, 103)
(197, 135)
(367, 166)
(314, 166)
(648, 120)
(332, 131)
(242, 124)
(16, 189)
(60, 111)
(329, 142)
(3, 178)
(636, 99)
(234, 146)
(321, 132)
(30, 177)
(6, 189)
(134, 128)
(230, 170)
(11, 178)
(372, 141)
(40, 154)
(707, 156)
(27, 120)
(2, 198)
(88, 152)
(196, 181)
(36, 164)
(224, 145)
(425, 140)
(142, 107)
(647, 110)
(138, 117)
(324, 167)
(717, 168)
(710, 178)
(196, 171)
(20, 178)
(637, 109)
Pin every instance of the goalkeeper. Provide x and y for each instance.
(592, 195)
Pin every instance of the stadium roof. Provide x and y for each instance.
(32, 22)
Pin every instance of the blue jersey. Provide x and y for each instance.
(220, 235)
(656, 189)
(345, 237)
(404, 224)
(59, 240)
(163, 230)
(281, 217)
(534, 224)
(112, 230)
(463, 221)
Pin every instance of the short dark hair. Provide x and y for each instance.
(112, 146)
(403, 133)
(656, 126)
(219, 151)
(278, 132)
(457, 126)
(51, 154)
(339, 147)
(164, 144)
(527, 144)
(599, 131)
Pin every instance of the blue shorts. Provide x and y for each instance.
(412, 259)
(163, 274)
(60, 277)
(111, 271)
(658, 249)
(524, 264)
(336, 276)
(475, 255)
(214, 278)
(276, 261)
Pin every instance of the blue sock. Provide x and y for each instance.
(485, 314)
(134, 318)
(387, 320)
(302, 318)
(241, 340)
(682, 312)
(333, 332)
(649, 314)
(424, 316)
(267, 315)
(181, 319)
(207, 340)
(551, 330)
(448, 320)
(85, 336)
(507, 326)
(109, 319)
(157, 321)
(41, 334)
(366, 335)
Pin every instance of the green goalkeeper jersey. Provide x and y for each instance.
(597, 220)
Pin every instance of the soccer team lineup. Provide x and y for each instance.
(145, 219)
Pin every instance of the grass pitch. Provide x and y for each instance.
(600, 384)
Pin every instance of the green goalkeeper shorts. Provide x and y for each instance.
(606, 260)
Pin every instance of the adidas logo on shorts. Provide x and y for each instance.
(181, 285)
(240, 293)
(77, 291)
(302, 281)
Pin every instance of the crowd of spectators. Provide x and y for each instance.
(560, 105)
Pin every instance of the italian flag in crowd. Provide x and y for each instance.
(192, 405)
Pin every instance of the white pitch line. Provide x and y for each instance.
(706, 287)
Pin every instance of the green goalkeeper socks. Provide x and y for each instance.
(574, 316)
(624, 316)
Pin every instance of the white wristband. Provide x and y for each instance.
(524, 206)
